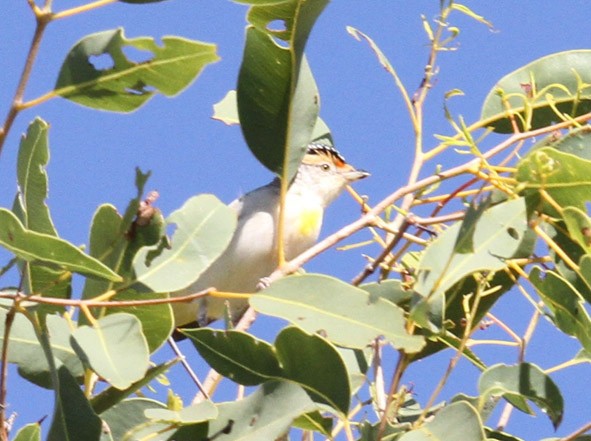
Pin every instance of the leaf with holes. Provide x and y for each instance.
(278, 100)
(125, 85)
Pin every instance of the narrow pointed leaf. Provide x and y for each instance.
(204, 228)
(126, 84)
(115, 349)
(527, 93)
(341, 311)
(32, 246)
(520, 383)
(112, 396)
(73, 419)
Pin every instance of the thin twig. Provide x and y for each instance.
(175, 348)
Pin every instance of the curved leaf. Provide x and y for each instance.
(30, 432)
(127, 419)
(127, 84)
(308, 360)
(562, 80)
(342, 312)
(520, 383)
(204, 228)
(277, 96)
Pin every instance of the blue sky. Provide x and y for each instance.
(93, 154)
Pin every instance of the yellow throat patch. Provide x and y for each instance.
(310, 220)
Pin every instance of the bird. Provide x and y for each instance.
(252, 252)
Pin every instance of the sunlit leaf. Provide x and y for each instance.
(455, 421)
(127, 421)
(32, 246)
(204, 227)
(30, 432)
(115, 349)
(527, 93)
(125, 84)
(195, 413)
(341, 311)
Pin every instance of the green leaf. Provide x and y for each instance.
(250, 361)
(127, 420)
(195, 413)
(126, 84)
(341, 311)
(204, 228)
(32, 246)
(115, 348)
(73, 418)
(264, 415)
(564, 176)
(277, 96)
(456, 421)
(579, 226)
(30, 207)
(226, 110)
(30, 432)
(112, 396)
(27, 353)
(520, 383)
(33, 156)
(499, 233)
(566, 304)
(561, 80)
(237, 355)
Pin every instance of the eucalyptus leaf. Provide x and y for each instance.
(32, 246)
(204, 228)
(115, 348)
(455, 421)
(520, 383)
(308, 360)
(341, 311)
(30, 432)
(529, 93)
(127, 84)
(127, 420)
(277, 96)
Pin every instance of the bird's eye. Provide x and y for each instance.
(325, 167)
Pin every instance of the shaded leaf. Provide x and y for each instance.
(520, 383)
(73, 418)
(455, 421)
(579, 226)
(277, 96)
(204, 228)
(115, 348)
(112, 396)
(561, 79)
(127, 84)
(341, 311)
(251, 361)
(194, 413)
(566, 304)
(127, 419)
(32, 246)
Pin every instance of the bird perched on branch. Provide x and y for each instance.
(252, 253)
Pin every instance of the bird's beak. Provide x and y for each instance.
(355, 175)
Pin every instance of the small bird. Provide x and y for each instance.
(252, 253)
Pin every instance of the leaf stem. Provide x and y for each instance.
(80, 9)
